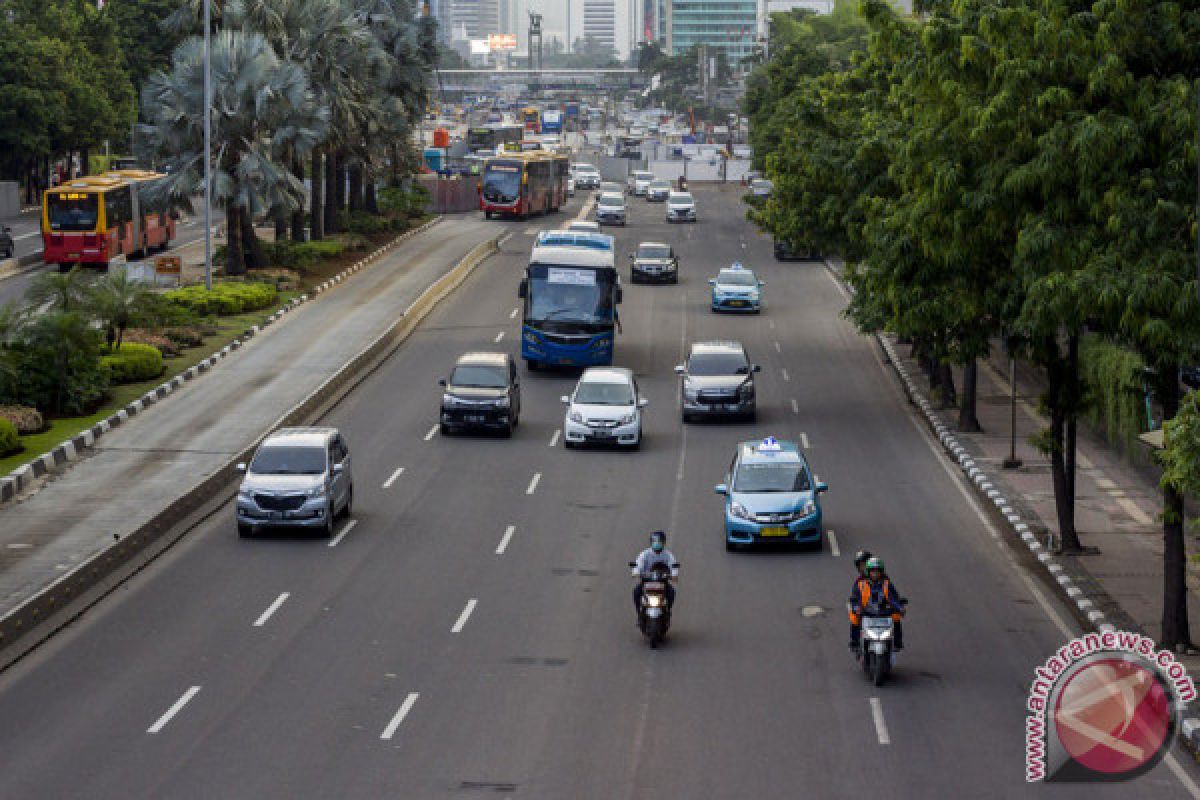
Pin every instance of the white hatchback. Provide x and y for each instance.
(605, 408)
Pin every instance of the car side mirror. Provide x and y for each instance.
(679, 370)
(643, 402)
(712, 282)
(721, 488)
(822, 487)
(338, 469)
(762, 283)
(240, 467)
(631, 256)
(757, 368)
(675, 566)
(441, 381)
(566, 401)
(633, 563)
(523, 288)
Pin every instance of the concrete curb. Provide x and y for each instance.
(73, 449)
(91, 580)
(984, 484)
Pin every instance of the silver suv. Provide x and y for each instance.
(299, 478)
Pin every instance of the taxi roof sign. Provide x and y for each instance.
(769, 445)
(737, 265)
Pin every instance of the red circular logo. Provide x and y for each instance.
(1113, 715)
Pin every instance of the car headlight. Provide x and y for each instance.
(746, 390)
(809, 508)
(739, 510)
(245, 496)
(316, 491)
(626, 420)
(532, 338)
(502, 402)
(575, 416)
(690, 392)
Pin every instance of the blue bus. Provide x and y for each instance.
(570, 294)
(552, 121)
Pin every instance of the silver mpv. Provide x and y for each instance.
(299, 478)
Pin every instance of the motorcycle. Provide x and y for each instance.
(6, 242)
(654, 615)
(876, 651)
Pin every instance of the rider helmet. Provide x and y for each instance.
(860, 558)
(874, 563)
(658, 541)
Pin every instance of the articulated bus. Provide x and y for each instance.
(520, 184)
(493, 138)
(570, 293)
(100, 218)
(531, 118)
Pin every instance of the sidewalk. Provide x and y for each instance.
(138, 469)
(1117, 503)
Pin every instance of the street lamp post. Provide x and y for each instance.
(207, 145)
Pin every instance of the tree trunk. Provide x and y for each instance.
(85, 155)
(1071, 442)
(282, 224)
(252, 247)
(1056, 400)
(297, 233)
(356, 188)
(945, 380)
(342, 174)
(968, 419)
(316, 217)
(1176, 632)
(370, 201)
(235, 263)
(331, 176)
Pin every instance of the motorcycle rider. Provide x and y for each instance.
(875, 588)
(656, 553)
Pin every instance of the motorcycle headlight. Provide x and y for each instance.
(654, 600)
(625, 420)
(738, 510)
(575, 416)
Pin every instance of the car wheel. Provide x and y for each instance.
(444, 429)
(330, 524)
(245, 531)
(508, 432)
(688, 418)
(730, 547)
(752, 415)
(487, 215)
(817, 546)
(567, 443)
(348, 509)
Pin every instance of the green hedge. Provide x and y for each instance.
(1112, 379)
(9, 441)
(224, 299)
(302, 255)
(133, 363)
(363, 222)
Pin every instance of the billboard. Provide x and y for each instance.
(502, 41)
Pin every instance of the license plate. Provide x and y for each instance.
(473, 417)
(738, 303)
(773, 531)
(276, 515)
(602, 434)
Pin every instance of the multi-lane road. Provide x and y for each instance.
(470, 631)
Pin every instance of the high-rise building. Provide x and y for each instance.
(474, 19)
(729, 25)
(600, 21)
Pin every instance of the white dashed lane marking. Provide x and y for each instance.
(271, 609)
(388, 483)
(504, 540)
(432, 432)
(173, 710)
(409, 702)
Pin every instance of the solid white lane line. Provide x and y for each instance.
(464, 616)
(880, 724)
(432, 432)
(271, 609)
(513, 313)
(409, 702)
(342, 534)
(173, 710)
(833, 544)
(804, 439)
(771, 324)
(388, 483)
(554, 438)
(778, 349)
(537, 477)
(795, 406)
(499, 336)
(504, 540)
(785, 375)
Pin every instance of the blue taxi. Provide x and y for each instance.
(736, 289)
(771, 496)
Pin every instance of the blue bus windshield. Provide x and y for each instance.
(571, 299)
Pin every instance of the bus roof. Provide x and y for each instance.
(573, 257)
(113, 179)
(591, 241)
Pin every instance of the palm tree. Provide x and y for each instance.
(11, 321)
(261, 105)
(58, 291)
(117, 302)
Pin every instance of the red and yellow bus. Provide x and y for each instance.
(99, 218)
(520, 184)
(531, 118)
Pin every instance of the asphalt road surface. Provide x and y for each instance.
(471, 633)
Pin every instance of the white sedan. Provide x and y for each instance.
(605, 408)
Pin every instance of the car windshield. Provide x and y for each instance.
(653, 251)
(604, 394)
(611, 201)
(738, 277)
(479, 377)
(771, 478)
(712, 364)
(502, 183)
(660, 185)
(287, 459)
(681, 200)
(643, 176)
